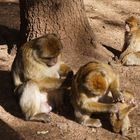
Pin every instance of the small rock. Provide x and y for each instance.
(93, 130)
(62, 126)
(42, 132)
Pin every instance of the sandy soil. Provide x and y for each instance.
(106, 17)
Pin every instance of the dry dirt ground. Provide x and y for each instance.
(107, 20)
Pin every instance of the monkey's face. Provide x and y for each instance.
(48, 49)
(116, 122)
(50, 61)
(131, 24)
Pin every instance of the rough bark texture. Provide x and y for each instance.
(64, 17)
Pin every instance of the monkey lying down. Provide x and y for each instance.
(90, 88)
(40, 77)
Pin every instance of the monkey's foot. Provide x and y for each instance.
(41, 117)
(92, 122)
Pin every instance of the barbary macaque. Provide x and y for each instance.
(90, 86)
(120, 121)
(38, 75)
(131, 49)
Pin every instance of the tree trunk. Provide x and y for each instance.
(64, 17)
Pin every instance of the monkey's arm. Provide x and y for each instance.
(49, 83)
(91, 106)
(67, 74)
(99, 107)
(115, 90)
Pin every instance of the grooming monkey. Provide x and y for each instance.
(131, 49)
(39, 77)
(120, 121)
(90, 87)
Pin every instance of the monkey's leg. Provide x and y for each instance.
(41, 117)
(115, 90)
(56, 98)
(131, 59)
(49, 83)
(124, 112)
(34, 104)
(84, 119)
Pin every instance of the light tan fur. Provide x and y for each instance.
(131, 49)
(90, 86)
(38, 75)
(120, 121)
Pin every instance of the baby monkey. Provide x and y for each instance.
(131, 49)
(39, 77)
(120, 121)
(90, 86)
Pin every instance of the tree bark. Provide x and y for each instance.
(66, 18)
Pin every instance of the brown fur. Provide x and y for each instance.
(38, 75)
(120, 121)
(131, 49)
(89, 86)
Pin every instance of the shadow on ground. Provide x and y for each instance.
(7, 100)
(6, 132)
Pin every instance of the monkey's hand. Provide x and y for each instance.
(64, 70)
(133, 104)
(68, 80)
(118, 97)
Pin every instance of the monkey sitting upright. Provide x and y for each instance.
(131, 49)
(38, 75)
(89, 88)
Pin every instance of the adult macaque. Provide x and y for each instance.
(90, 86)
(38, 75)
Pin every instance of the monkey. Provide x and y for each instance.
(120, 121)
(131, 50)
(90, 85)
(39, 76)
